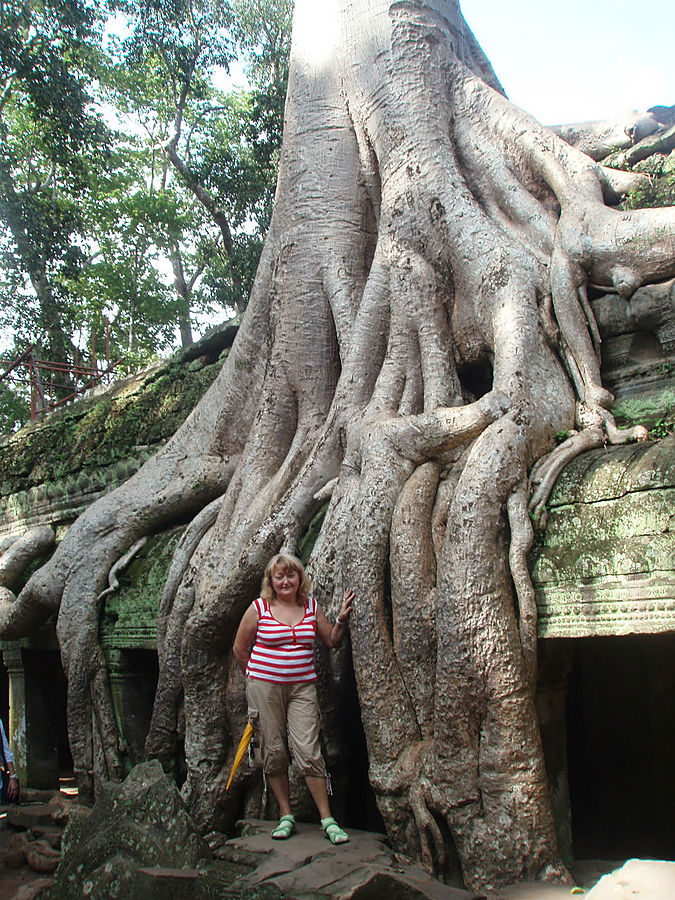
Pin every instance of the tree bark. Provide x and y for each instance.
(418, 332)
(184, 291)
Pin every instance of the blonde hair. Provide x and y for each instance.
(286, 563)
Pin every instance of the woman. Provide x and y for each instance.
(274, 647)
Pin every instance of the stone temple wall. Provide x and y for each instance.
(607, 562)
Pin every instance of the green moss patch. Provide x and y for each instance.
(137, 414)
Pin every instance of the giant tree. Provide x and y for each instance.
(418, 332)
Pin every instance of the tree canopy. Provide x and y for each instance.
(136, 183)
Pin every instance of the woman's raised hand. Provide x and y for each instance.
(346, 608)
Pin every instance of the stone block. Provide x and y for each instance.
(159, 882)
(637, 879)
(139, 824)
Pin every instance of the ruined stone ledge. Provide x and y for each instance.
(140, 638)
(592, 557)
(59, 503)
(612, 472)
(607, 607)
(606, 564)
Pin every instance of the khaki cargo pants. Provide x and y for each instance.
(286, 713)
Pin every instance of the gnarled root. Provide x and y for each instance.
(549, 467)
(22, 551)
(96, 744)
(175, 606)
(522, 537)
(597, 428)
(119, 567)
(19, 617)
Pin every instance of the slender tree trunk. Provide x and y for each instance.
(56, 343)
(183, 291)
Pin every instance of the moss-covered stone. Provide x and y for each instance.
(660, 191)
(139, 823)
(606, 563)
(130, 615)
(137, 414)
(656, 410)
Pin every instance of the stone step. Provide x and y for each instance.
(29, 815)
(158, 883)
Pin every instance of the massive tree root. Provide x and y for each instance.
(418, 333)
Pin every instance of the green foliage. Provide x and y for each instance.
(661, 429)
(104, 234)
(14, 409)
(224, 146)
(51, 141)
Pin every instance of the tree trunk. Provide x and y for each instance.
(183, 291)
(417, 334)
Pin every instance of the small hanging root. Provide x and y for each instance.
(118, 568)
(431, 839)
(522, 536)
(598, 428)
(550, 466)
(622, 435)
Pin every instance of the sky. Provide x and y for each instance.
(577, 60)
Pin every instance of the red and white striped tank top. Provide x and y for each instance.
(283, 653)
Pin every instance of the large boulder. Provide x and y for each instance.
(139, 824)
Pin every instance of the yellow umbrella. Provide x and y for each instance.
(241, 749)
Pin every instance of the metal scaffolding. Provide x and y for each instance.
(47, 381)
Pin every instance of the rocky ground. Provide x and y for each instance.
(30, 842)
(307, 866)
(139, 843)
(254, 867)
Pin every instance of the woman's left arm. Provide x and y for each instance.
(331, 635)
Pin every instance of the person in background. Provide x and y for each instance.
(10, 783)
(274, 646)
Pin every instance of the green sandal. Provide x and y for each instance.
(333, 832)
(284, 829)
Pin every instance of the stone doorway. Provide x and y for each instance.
(33, 707)
(621, 746)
